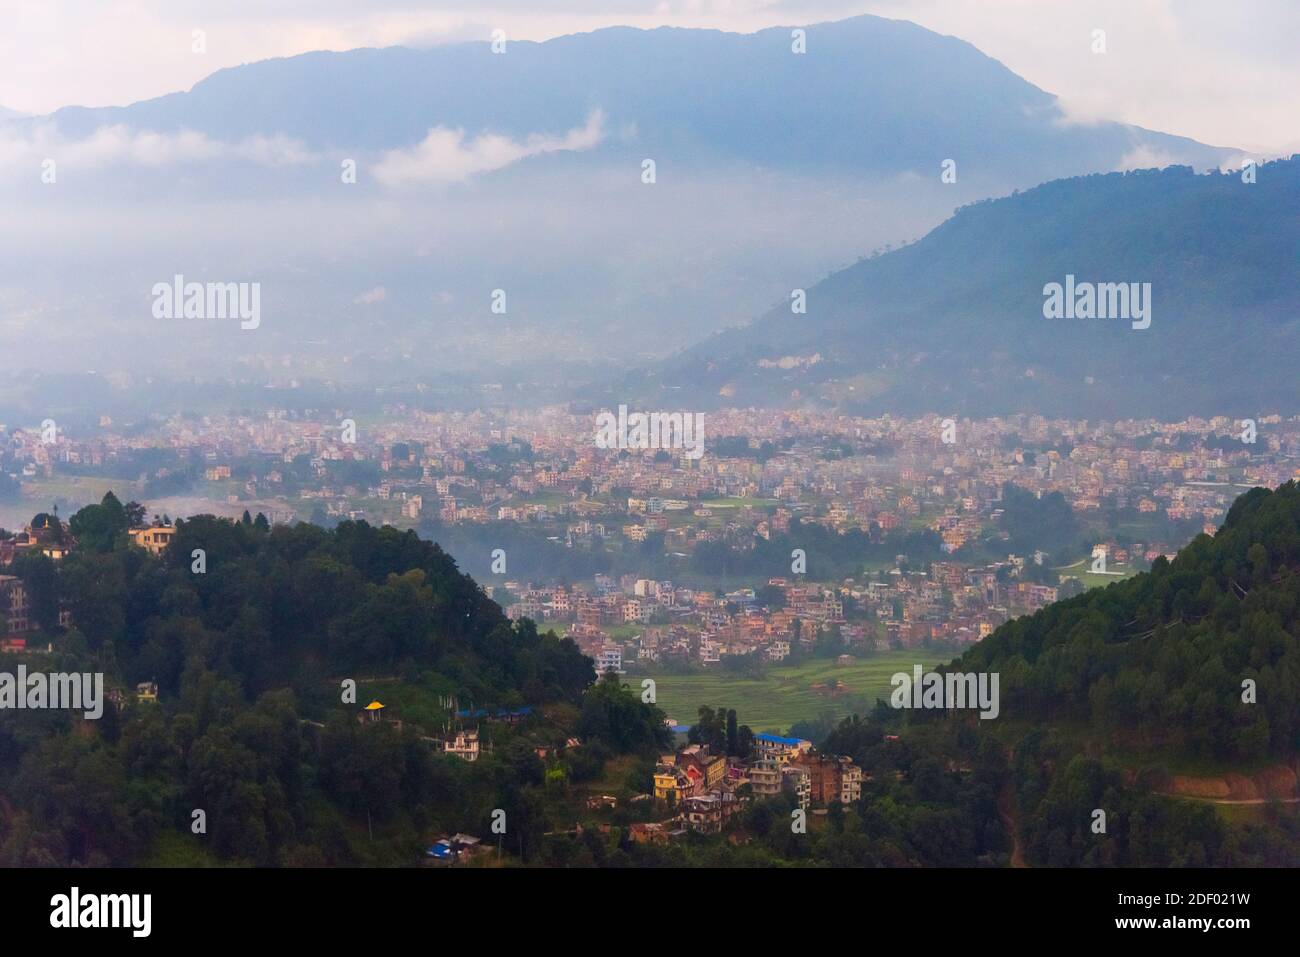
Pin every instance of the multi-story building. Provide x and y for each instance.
(155, 539)
(610, 658)
(774, 747)
(712, 768)
(672, 784)
(14, 605)
(704, 813)
(796, 780)
(831, 779)
(765, 778)
(464, 745)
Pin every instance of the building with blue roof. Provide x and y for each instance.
(775, 747)
(502, 714)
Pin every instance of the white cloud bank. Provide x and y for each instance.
(119, 145)
(447, 156)
(371, 296)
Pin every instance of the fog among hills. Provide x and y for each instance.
(520, 171)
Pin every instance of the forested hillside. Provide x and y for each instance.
(1197, 660)
(1159, 660)
(954, 323)
(250, 725)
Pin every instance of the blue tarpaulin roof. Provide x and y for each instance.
(776, 739)
(503, 713)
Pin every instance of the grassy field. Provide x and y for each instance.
(732, 501)
(623, 632)
(1081, 570)
(785, 695)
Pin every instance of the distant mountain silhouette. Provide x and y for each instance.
(869, 94)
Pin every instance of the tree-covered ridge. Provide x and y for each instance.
(249, 632)
(283, 606)
(249, 726)
(1161, 658)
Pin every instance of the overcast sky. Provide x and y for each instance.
(1223, 73)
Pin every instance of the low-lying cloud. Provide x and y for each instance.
(119, 145)
(447, 156)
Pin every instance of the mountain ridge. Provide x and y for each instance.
(708, 91)
(955, 321)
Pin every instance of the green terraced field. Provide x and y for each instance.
(785, 695)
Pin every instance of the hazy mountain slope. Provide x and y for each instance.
(955, 323)
(869, 94)
(772, 167)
